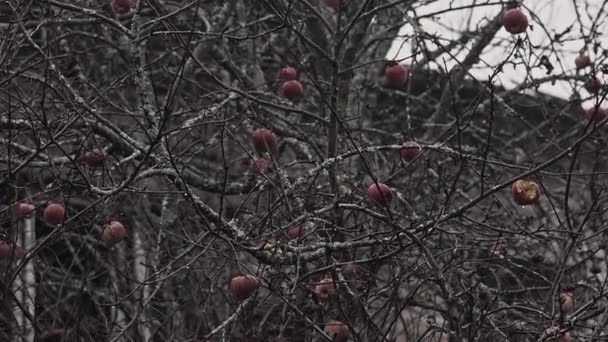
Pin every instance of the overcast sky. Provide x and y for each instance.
(555, 15)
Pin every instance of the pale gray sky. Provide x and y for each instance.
(555, 15)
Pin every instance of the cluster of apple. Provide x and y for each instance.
(515, 22)
(380, 194)
(9, 250)
(395, 75)
(553, 333)
(243, 286)
(292, 87)
(265, 141)
(592, 85)
(524, 192)
(55, 214)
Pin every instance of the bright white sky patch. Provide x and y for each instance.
(555, 15)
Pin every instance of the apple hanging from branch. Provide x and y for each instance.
(515, 21)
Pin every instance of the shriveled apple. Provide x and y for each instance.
(525, 192)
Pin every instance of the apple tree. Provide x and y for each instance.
(303, 170)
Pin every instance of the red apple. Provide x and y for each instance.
(264, 140)
(515, 21)
(261, 165)
(292, 89)
(595, 113)
(337, 331)
(295, 232)
(94, 158)
(525, 192)
(566, 300)
(582, 61)
(335, 4)
(241, 287)
(593, 85)
(396, 75)
(8, 250)
(356, 277)
(553, 335)
(113, 231)
(289, 73)
(14, 251)
(381, 195)
(25, 210)
(54, 213)
(121, 6)
(410, 150)
(325, 288)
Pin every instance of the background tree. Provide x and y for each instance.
(165, 178)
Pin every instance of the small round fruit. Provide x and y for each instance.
(95, 157)
(25, 210)
(113, 231)
(410, 150)
(292, 89)
(264, 140)
(325, 288)
(54, 213)
(515, 21)
(396, 75)
(335, 4)
(356, 277)
(595, 113)
(525, 192)
(337, 331)
(7, 250)
(289, 73)
(582, 61)
(380, 194)
(241, 287)
(593, 85)
(566, 300)
(121, 6)
(295, 232)
(261, 165)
